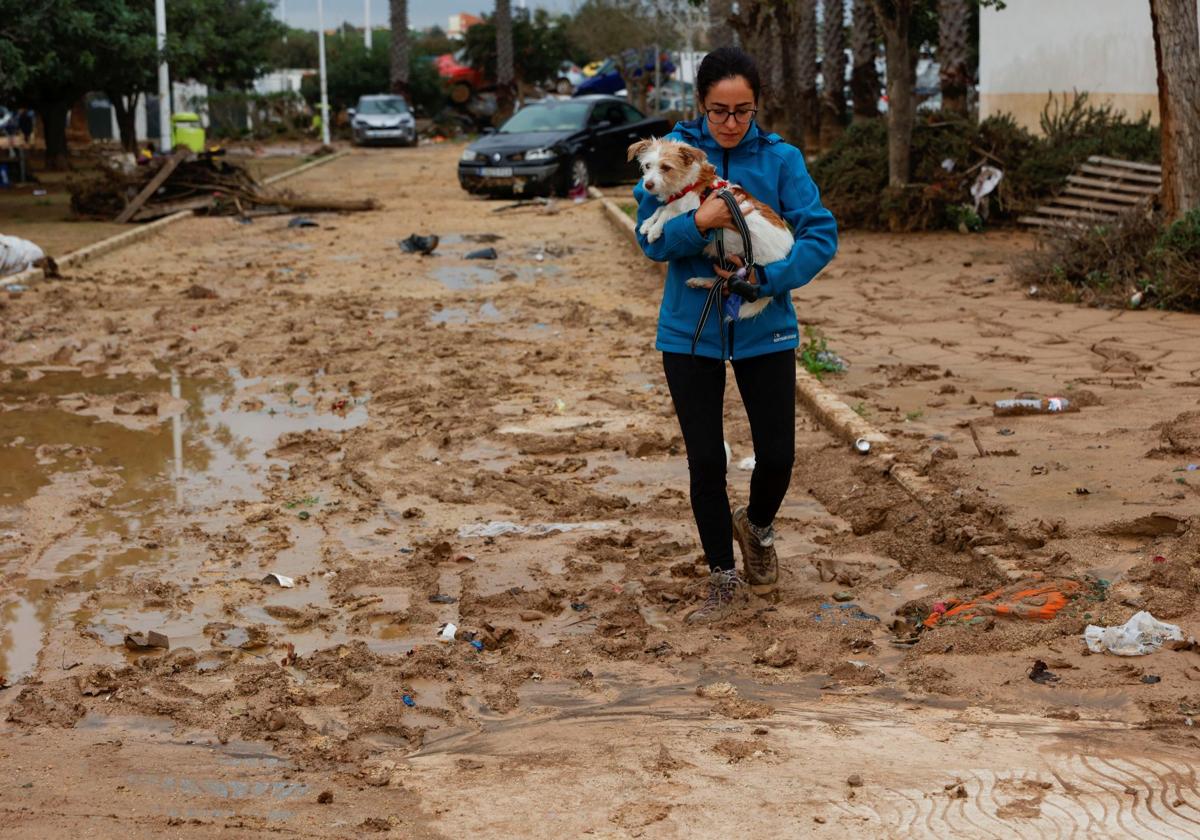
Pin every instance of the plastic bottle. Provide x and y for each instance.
(1032, 405)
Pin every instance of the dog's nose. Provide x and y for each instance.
(650, 185)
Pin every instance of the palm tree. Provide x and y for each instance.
(806, 70)
(1177, 56)
(954, 32)
(720, 34)
(399, 49)
(896, 18)
(864, 46)
(504, 59)
(833, 71)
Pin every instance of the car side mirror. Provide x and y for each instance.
(351, 112)
(491, 129)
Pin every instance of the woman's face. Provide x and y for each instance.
(731, 96)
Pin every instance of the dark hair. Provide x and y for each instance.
(725, 63)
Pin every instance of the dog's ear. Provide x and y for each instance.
(690, 155)
(639, 147)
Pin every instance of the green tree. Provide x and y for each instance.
(223, 43)
(539, 45)
(127, 59)
(51, 50)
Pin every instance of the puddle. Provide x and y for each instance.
(133, 489)
(487, 311)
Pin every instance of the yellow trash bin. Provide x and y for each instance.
(187, 130)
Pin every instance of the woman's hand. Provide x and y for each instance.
(738, 262)
(713, 213)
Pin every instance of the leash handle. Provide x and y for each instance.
(738, 284)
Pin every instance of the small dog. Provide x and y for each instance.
(680, 177)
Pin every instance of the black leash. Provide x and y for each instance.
(738, 284)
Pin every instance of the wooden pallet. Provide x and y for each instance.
(1099, 191)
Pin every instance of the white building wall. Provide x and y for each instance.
(1033, 48)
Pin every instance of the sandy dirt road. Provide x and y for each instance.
(422, 440)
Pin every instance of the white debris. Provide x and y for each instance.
(16, 254)
(746, 464)
(1141, 634)
(538, 529)
(282, 580)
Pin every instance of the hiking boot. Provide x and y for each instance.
(724, 594)
(758, 552)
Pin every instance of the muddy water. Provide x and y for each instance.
(143, 477)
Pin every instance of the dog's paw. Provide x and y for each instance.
(644, 229)
(654, 234)
(701, 282)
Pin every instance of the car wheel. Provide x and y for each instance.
(576, 174)
(563, 87)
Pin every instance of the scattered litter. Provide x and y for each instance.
(478, 645)
(408, 701)
(1135, 300)
(304, 514)
(17, 255)
(301, 222)
(147, 641)
(863, 446)
(16, 287)
(1032, 405)
(1151, 679)
(1006, 432)
(948, 164)
(989, 178)
(1158, 558)
(418, 244)
(832, 361)
(1041, 674)
(283, 580)
(843, 613)
(746, 463)
(843, 597)
(1031, 599)
(482, 254)
(855, 780)
(1140, 635)
(442, 599)
(578, 606)
(447, 632)
(499, 529)
(1082, 491)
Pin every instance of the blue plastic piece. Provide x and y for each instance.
(408, 701)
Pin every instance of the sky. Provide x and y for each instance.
(421, 13)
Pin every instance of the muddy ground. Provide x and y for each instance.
(418, 441)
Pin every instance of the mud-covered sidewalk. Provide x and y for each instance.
(418, 441)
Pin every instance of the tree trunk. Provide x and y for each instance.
(864, 77)
(54, 131)
(720, 33)
(807, 100)
(954, 44)
(1177, 55)
(833, 72)
(399, 23)
(770, 57)
(504, 59)
(126, 110)
(895, 18)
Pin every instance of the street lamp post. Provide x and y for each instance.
(164, 77)
(321, 62)
(367, 24)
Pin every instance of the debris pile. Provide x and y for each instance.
(204, 183)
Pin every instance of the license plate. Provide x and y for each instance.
(496, 172)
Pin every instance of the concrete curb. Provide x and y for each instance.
(137, 234)
(819, 400)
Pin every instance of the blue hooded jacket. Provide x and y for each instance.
(773, 172)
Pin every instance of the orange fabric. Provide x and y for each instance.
(1031, 599)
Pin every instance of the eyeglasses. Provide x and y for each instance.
(719, 116)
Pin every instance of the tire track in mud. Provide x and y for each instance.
(1091, 796)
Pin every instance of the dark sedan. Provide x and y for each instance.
(558, 146)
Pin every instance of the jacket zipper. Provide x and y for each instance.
(725, 175)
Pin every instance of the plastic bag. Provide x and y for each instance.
(1141, 634)
(17, 254)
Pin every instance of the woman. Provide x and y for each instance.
(761, 350)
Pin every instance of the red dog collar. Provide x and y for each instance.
(715, 185)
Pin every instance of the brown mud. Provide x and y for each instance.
(418, 441)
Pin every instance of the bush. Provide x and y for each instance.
(1110, 264)
(852, 175)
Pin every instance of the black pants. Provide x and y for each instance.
(768, 387)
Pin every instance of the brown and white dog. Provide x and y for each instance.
(680, 176)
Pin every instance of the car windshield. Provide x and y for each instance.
(556, 116)
(387, 105)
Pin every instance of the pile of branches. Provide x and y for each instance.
(205, 183)
(948, 151)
